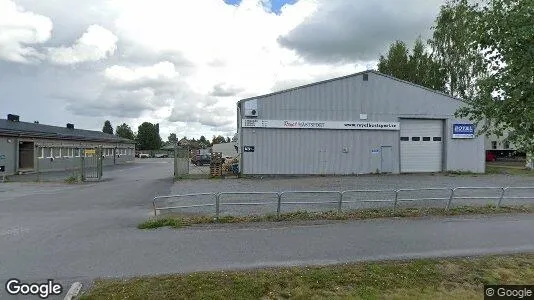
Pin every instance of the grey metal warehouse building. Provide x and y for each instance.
(31, 147)
(358, 124)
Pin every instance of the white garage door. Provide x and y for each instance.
(421, 145)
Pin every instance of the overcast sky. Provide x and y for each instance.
(184, 63)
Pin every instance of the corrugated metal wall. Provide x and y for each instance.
(309, 151)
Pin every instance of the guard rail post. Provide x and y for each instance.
(340, 203)
(450, 199)
(279, 205)
(217, 208)
(396, 200)
(502, 196)
(154, 206)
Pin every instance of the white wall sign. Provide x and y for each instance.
(363, 125)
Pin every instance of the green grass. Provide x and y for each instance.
(458, 278)
(71, 179)
(179, 221)
(509, 170)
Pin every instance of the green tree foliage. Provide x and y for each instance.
(107, 127)
(504, 32)
(172, 138)
(418, 67)
(124, 131)
(203, 142)
(455, 49)
(218, 140)
(148, 137)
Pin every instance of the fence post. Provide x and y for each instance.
(82, 165)
(502, 196)
(450, 199)
(340, 203)
(278, 205)
(396, 199)
(217, 202)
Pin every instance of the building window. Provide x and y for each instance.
(426, 139)
(437, 139)
(56, 152)
(493, 144)
(77, 152)
(405, 138)
(47, 152)
(415, 139)
(65, 152)
(506, 145)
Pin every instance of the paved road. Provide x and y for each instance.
(72, 232)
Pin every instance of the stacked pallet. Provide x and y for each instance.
(216, 164)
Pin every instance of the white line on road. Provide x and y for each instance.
(73, 291)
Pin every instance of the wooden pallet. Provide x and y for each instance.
(215, 169)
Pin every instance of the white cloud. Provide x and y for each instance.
(158, 74)
(20, 28)
(95, 44)
(184, 64)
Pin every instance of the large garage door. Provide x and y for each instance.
(421, 145)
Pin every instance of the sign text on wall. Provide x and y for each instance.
(365, 125)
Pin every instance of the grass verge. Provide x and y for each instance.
(177, 221)
(457, 278)
(509, 170)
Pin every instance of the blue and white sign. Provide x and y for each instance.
(463, 131)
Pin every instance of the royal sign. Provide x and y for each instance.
(463, 131)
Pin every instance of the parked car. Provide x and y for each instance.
(161, 155)
(200, 160)
(144, 155)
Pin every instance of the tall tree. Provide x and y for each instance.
(228, 139)
(124, 131)
(454, 46)
(503, 31)
(148, 136)
(418, 67)
(203, 142)
(172, 138)
(218, 140)
(107, 127)
(396, 61)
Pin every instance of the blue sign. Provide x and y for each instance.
(463, 131)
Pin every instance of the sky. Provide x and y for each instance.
(184, 64)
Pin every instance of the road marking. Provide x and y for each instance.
(73, 291)
(14, 231)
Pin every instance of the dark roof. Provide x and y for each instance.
(348, 76)
(34, 130)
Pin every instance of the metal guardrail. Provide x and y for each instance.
(501, 193)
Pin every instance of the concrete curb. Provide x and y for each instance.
(73, 291)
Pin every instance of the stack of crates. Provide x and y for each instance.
(216, 164)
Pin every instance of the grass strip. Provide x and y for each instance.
(178, 221)
(509, 170)
(455, 278)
